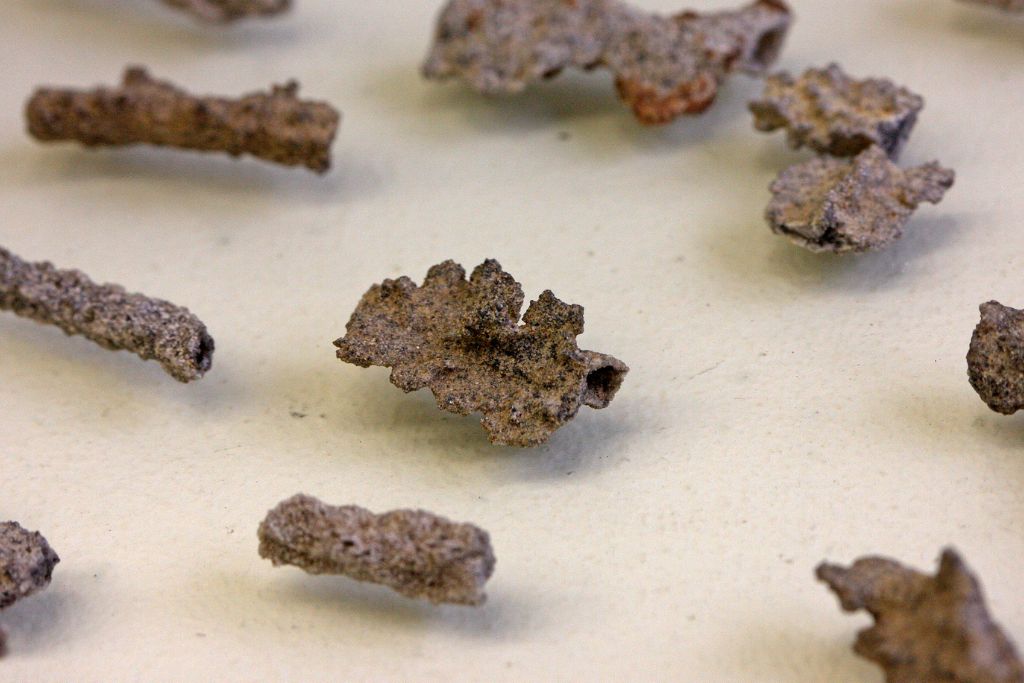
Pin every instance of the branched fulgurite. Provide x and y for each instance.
(834, 114)
(995, 362)
(851, 205)
(463, 340)
(26, 566)
(153, 329)
(416, 553)
(664, 66)
(275, 126)
(927, 629)
(229, 10)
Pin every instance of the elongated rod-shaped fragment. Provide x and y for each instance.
(414, 552)
(222, 11)
(275, 126)
(106, 314)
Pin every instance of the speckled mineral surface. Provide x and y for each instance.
(834, 114)
(851, 205)
(416, 553)
(153, 329)
(927, 629)
(230, 10)
(664, 66)
(464, 340)
(275, 126)
(995, 361)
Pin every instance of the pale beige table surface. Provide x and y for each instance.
(782, 408)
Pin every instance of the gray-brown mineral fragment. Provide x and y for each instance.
(1008, 5)
(464, 340)
(416, 553)
(26, 563)
(222, 11)
(106, 314)
(995, 362)
(851, 205)
(664, 66)
(834, 114)
(927, 629)
(275, 126)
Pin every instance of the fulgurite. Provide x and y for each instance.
(414, 552)
(152, 329)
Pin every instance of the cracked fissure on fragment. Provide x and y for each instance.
(414, 552)
(463, 340)
(275, 126)
(927, 629)
(153, 329)
(995, 361)
(664, 66)
(222, 11)
(851, 205)
(834, 114)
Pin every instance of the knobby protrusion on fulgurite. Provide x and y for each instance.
(223, 11)
(928, 629)
(664, 66)
(414, 552)
(275, 126)
(26, 566)
(152, 329)
(464, 341)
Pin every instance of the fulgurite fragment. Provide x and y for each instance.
(927, 629)
(834, 114)
(229, 10)
(1008, 5)
(153, 329)
(851, 205)
(995, 362)
(26, 563)
(275, 126)
(26, 567)
(464, 341)
(416, 553)
(664, 66)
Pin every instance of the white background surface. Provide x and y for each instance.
(782, 408)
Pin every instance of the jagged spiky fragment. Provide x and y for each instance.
(834, 114)
(664, 66)
(995, 362)
(851, 205)
(153, 329)
(222, 11)
(1008, 5)
(26, 563)
(275, 126)
(463, 340)
(414, 552)
(927, 629)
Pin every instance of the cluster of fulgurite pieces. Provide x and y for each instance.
(852, 197)
(664, 66)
